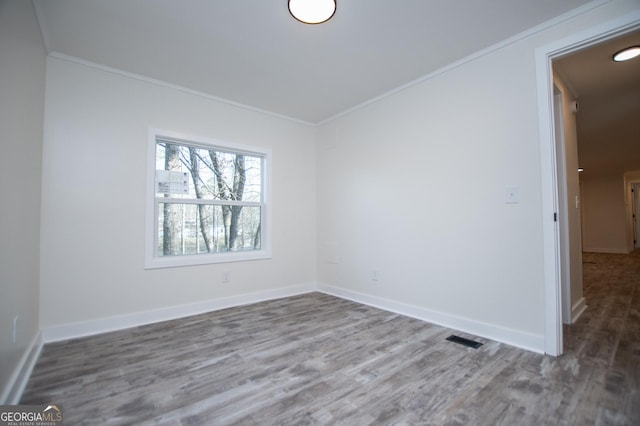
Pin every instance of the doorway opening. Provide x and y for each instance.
(551, 182)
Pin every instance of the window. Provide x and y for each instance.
(207, 202)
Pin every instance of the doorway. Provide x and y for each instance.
(553, 262)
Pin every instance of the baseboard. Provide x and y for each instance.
(103, 325)
(605, 250)
(578, 309)
(528, 341)
(12, 394)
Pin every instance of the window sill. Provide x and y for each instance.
(205, 259)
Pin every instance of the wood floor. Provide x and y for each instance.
(317, 359)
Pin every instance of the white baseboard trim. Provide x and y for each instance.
(13, 392)
(528, 341)
(605, 250)
(103, 325)
(578, 309)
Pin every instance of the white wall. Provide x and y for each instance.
(413, 185)
(93, 200)
(603, 205)
(22, 77)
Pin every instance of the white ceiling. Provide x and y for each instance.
(252, 52)
(592, 72)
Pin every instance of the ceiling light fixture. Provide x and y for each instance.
(312, 11)
(627, 53)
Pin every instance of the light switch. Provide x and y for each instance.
(511, 195)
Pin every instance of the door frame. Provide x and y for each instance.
(631, 181)
(548, 162)
(635, 209)
(564, 241)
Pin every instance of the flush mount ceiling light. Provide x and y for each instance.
(626, 54)
(312, 11)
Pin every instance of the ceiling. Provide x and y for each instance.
(608, 120)
(252, 52)
(592, 72)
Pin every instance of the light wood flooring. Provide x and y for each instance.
(316, 359)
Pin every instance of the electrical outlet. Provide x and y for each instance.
(15, 329)
(226, 277)
(375, 275)
(512, 195)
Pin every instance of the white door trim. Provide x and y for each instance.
(562, 208)
(549, 188)
(635, 207)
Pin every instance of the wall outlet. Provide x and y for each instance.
(226, 277)
(512, 195)
(15, 329)
(375, 275)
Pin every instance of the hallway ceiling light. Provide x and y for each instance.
(312, 11)
(626, 54)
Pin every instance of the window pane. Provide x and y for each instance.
(199, 173)
(197, 228)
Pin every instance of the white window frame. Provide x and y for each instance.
(152, 260)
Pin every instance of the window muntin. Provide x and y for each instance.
(208, 202)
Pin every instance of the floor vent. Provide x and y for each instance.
(470, 343)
